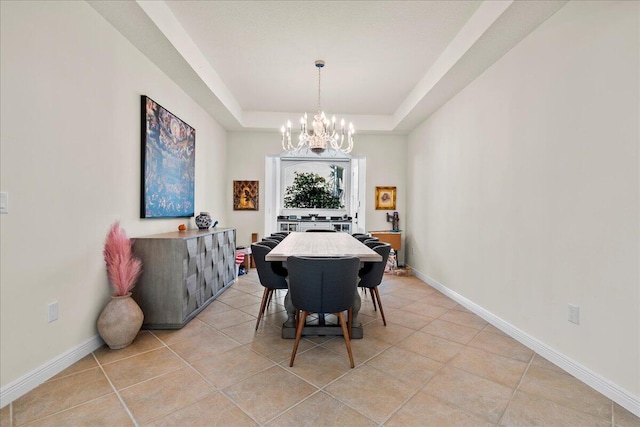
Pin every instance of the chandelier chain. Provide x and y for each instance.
(319, 108)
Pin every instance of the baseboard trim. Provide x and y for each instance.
(619, 395)
(33, 379)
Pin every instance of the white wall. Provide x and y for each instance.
(526, 192)
(386, 166)
(70, 161)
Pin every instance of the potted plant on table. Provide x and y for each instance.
(121, 319)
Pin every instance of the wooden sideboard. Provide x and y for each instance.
(182, 272)
(394, 238)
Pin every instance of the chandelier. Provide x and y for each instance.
(322, 134)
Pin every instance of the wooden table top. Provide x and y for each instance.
(322, 244)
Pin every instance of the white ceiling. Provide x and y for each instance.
(389, 64)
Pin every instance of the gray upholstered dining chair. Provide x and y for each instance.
(364, 237)
(277, 237)
(320, 230)
(269, 242)
(272, 276)
(323, 285)
(371, 275)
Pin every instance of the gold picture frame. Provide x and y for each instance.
(386, 198)
(245, 195)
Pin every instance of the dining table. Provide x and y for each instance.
(321, 245)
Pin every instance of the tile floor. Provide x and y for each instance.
(434, 364)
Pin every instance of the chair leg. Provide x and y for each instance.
(347, 340)
(377, 294)
(350, 321)
(265, 296)
(372, 298)
(270, 296)
(299, 328)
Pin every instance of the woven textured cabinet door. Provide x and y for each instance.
(182, 272)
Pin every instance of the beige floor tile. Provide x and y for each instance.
(275, 319)
(321, 410)
(407, 319)
(450, 331)
(501, 345)
(492, 329)
(58, 395)
(164, 395)
(104, 411)
(145, 341)
(195, 328)
(412, 293)
(207, 346)
(405, 365)
(544, 363)
(226, 319)
(392, 333)
(433, 347)
(276, 348)
(426, 309)
(319, 366)
(87, 362)
(362, 349)
(215, 307)
(565, 390)
(247, 286)
(624, 418)
(135, 369)
(371, 392)
(242, 300)
(232, 366)
(476, 395)
(496, 368)
(440, 300)
(230, 293)
(246, 332)
(424, 409)
(529, 410)
(464, 318)
(269, 393)
(213, 410)
(5, 416)
(392, 301)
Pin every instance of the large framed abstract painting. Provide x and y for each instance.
(245, 195)
(168, 163)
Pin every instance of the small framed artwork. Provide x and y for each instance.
(386, 198)
(168, 163)
(245, 195)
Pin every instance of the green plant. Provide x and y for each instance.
(310, 190)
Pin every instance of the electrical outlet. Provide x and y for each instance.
(53, 311)
(411, 250)
(574, 314)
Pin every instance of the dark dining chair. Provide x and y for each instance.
(277, 237)
(371, 276)
(363, 237)
(320, 230)
(323, 285)
(281, 233)
(272, 276)
(268, 242)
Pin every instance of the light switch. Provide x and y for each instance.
(4, 202)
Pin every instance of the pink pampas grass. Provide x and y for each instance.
(123, 268)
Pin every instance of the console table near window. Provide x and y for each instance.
(182, 273)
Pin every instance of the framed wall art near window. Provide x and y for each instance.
(245, 195)
(386, 198)
(168, 163)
